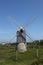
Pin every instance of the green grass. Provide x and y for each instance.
(8, 56)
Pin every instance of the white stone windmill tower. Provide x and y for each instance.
(21, 40)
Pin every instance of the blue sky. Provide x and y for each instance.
(21, 11)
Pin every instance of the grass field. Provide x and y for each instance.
(8, 56)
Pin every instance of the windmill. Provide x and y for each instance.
(21, 44)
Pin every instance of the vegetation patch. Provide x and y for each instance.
(8, 56)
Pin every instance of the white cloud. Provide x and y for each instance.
(8, 17)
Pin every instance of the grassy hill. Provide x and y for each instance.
(8, 56)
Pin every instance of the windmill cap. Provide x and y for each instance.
(21, 28)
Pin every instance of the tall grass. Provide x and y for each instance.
(8, 56)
